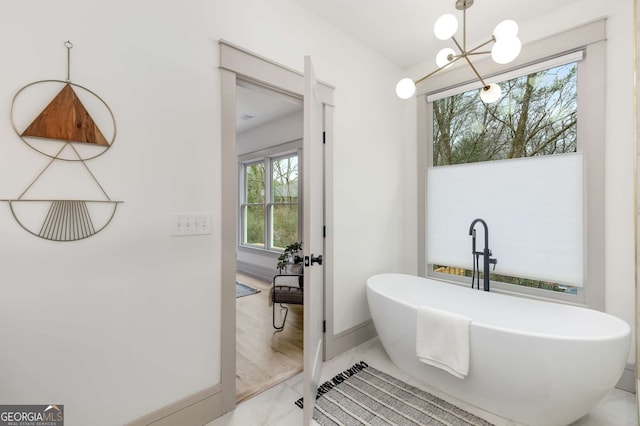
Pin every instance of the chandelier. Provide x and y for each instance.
(506, 47)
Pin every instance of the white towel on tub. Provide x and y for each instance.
(442, 340)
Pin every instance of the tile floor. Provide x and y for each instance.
(275, 407)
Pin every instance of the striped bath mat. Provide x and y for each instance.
(363, 395)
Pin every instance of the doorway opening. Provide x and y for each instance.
(269, 126)
(237, 64)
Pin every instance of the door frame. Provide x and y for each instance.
(238, 63)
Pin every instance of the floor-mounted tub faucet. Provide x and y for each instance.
(486, 254)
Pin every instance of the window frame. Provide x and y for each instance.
(589, 38)
(267, 156)
(270, 206)
(244, 204)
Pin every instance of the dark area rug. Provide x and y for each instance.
(244, 290)
(363, 395)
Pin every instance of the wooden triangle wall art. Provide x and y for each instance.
(65, 118)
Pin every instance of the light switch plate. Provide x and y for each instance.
(183, 224)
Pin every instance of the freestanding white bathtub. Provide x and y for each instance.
(534, 362)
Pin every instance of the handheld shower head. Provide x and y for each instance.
(473, 240)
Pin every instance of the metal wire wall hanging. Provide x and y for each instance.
(65, 130)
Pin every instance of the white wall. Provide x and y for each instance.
(127, 321)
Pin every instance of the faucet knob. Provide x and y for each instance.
(494, 262)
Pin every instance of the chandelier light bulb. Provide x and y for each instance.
(491, 93)
(442, 58)
(506, 47)
(445, 27)
(506, 50)
(505, 29)
(405, 88)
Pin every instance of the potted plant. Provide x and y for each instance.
(290, 256)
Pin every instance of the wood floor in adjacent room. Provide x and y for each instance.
(265, 357)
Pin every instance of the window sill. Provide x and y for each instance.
(524, 292)
(258, 250)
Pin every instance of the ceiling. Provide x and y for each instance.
(399, 30)
(402, 30)
(256, 105)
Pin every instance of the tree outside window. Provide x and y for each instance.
(284, 213)
(254, 205)
(536, 116)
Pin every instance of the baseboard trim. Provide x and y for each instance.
(628, 380)
(196, 410)
(342, 342)
(256, 270)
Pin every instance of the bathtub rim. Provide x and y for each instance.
(624, 332)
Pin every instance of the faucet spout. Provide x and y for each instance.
(486, 253)
(486, 230)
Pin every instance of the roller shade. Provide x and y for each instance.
(568, 58)
(533, 208)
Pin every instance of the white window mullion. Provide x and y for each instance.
(268, 201)
(242, 170)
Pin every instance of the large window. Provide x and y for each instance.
(269, 202)
(536, 116)
(551, 111)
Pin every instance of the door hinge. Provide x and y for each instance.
(324, 137)
(324, 326)
(324, 232)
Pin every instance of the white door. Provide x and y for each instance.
(313, 239)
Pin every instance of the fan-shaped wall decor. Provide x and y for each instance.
(65, 220)
(64, 130)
